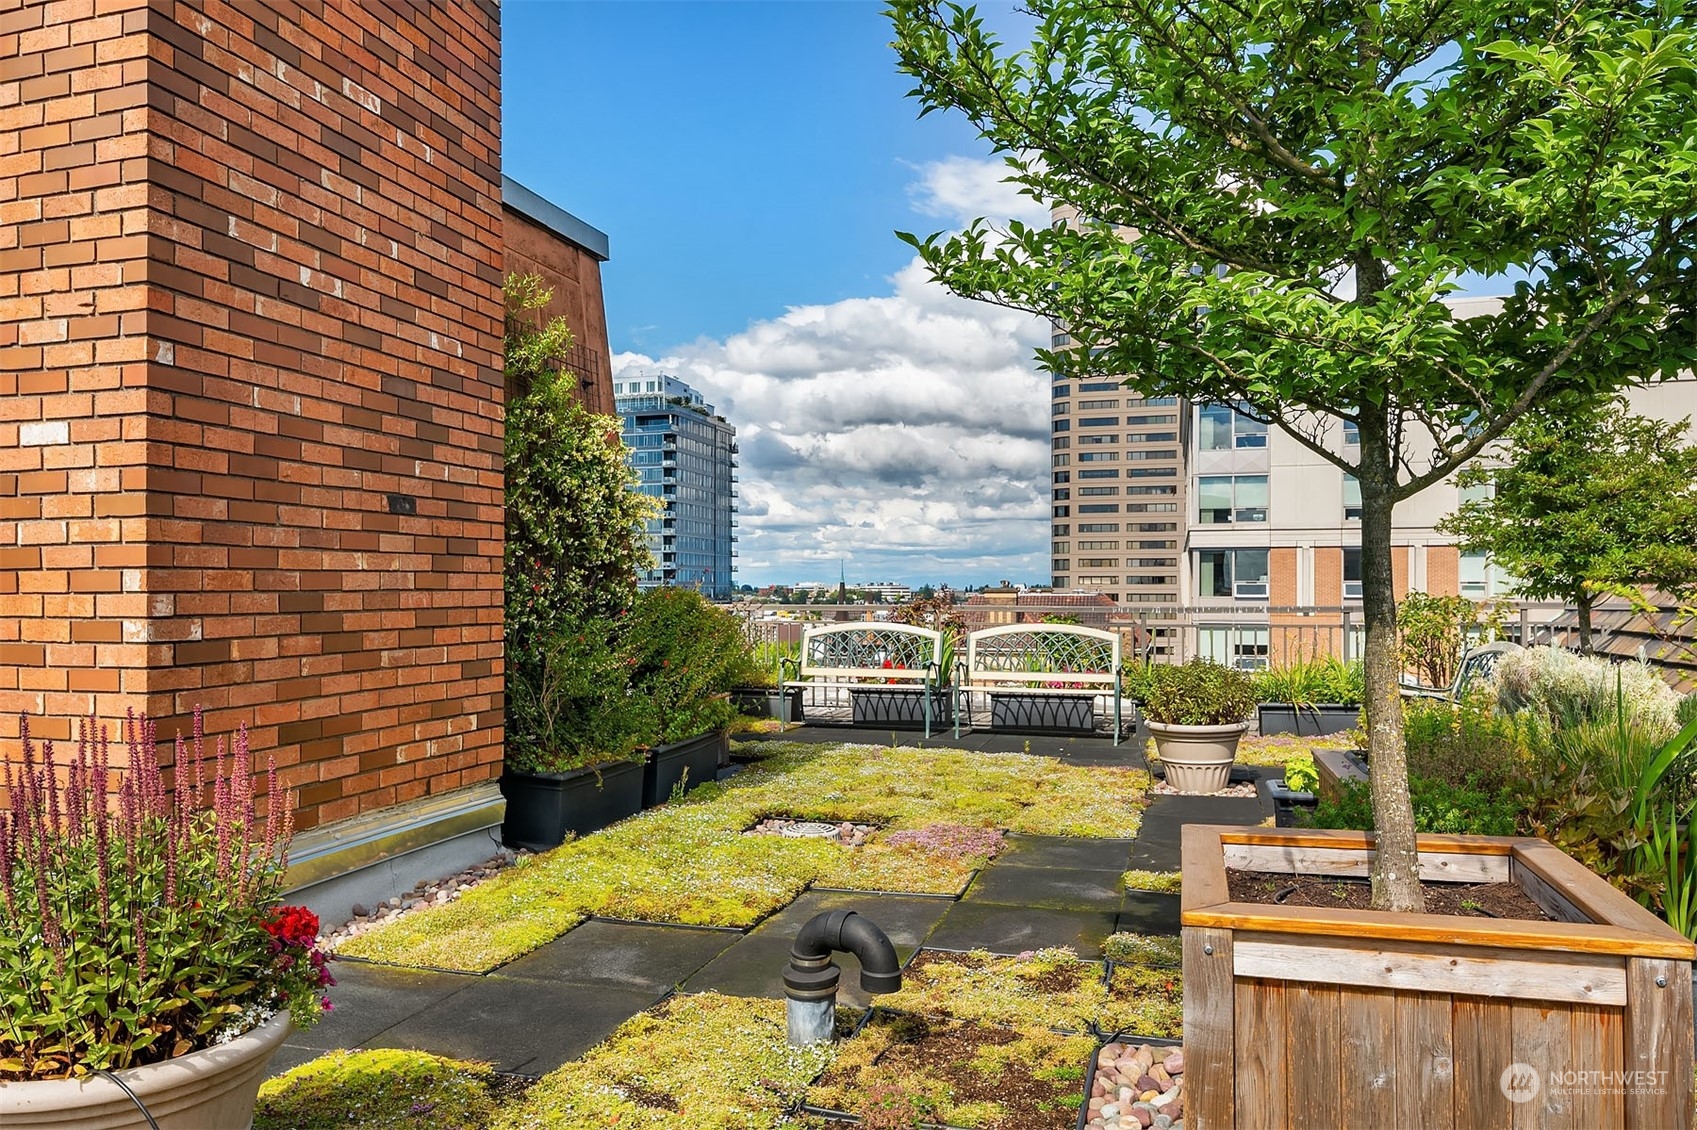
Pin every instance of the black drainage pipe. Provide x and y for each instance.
(811, 977)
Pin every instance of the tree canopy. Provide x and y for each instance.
(1266, 205)
(1586, 499)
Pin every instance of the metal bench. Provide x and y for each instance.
(1477, 665)
(1043, 678)
(872, 674)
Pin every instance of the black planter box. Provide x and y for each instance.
(902, 708)
(1286, 801)
(542, 808)
(1043, 713)
(691, 761)
(768, 702)
(1326, 718)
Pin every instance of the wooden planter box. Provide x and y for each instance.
(1334, 1017)
(1043, 713)
(690, 761)
(1324, 718)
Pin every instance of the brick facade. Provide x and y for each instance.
(250, 317)
(574, 275)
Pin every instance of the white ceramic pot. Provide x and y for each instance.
(212, 1089)
(1197, 759)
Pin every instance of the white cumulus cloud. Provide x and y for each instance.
(907, 433)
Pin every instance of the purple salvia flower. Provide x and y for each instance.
(273, 822)
(221, 807)
(141, 946)
(199, 745)
(7, 893)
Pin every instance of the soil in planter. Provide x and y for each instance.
(966, 1075)
(1464, 900)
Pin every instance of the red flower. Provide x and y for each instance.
(292, 925)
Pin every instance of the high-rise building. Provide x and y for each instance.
(686, 457)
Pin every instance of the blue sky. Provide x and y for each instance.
(750, 163)
(742, 157)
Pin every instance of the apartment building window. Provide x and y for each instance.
(1098, 545)
(1059, 341)
(1351, 434)
(1061, 443)
(1159, 401)
(1059, 460)
(1087, 405)
(1244, 646)
(1061, 582)
(1480, 577)
(1137, 421)
(1240, 574)
(1152, 543)
(1060, 426)
(1226, 499)
(1219, 427)
(1099, 437)
(1150, 563)
(1154, 527)
(1061, 494)
(1099, 386)
(1351, 499)
(1059, 531)
(1158, 453)
(1142, 581)
(1151, 507)
(1099, 473)
(1062, 476)
(1152, 490)
(1152, 473)
(1109, 579)
(1152, 437)
(1099, 508)
(1152, 598)
(1098, 457)
(1062, 512)
(1060, 391)
(1059, 547)
(1059, 408)
(1061, 563)
(1352, 573)
(1098, 527)
(1097, 562)
(1098, 421)
(1099, 492)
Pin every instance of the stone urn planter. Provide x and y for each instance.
(1333, 1016)
(1197, 759)
(542, 808)
(212, 1088)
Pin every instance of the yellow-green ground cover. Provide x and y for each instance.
(689, 862)
(378, 1090)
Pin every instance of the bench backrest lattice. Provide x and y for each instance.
(1043, 657)
(871, 652)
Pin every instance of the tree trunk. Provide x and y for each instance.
(1396, 863)
(1583, 603)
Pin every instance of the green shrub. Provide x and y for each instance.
(1439, 806)
(574, 709)
(687, 656)
(1300, 774)
(1686, 712)
(1563, 689)
(1466, 741)
(1325, 680)
(1198, 693)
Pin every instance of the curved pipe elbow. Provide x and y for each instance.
(847, 931)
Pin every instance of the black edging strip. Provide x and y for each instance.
(660, 925)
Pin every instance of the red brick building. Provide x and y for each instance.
(250, 382)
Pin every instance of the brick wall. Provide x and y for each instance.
(575, 278)
(301, 255)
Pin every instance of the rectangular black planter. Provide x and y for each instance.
(902, 708)
(1325, 718)
(1043, 713)
(542, 808)
(768, 702)
(690, 761)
